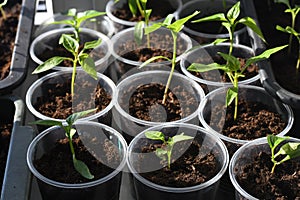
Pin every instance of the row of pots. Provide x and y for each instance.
(119, 121)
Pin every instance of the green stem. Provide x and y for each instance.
(3, 13)
(273, 168)
(172, 69)
(73, 76)
(291, 35)
(236, 99)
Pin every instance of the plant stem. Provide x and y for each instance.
(73, 76)
(273, 168)
(172, 68)
(3, 13)
(236, 99)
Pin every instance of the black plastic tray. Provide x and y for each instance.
(17, 177)
(20, 52)
(265, 70)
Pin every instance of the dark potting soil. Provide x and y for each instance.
(160, 9)
(5, 131)
(141, 55)
(146, 103)
(192, 166)
(56, 102)
(59, 160)
(256, 178)
(283, 63)
(254, 120)
(8, 30)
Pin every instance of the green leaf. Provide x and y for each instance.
(138, 32)
(292, 149)
(233, 64)
(198, 67)
(234, 12)
(286, 2)
(215, 17)
(232, 93)
(75, 116)
(168, 20)
(82, 168)
(219, 40)
(3, 3)
(92, 44)
(72, 12)
(152, 28)
(72, 132)
(274, 140)
(69, 43)
(133, 7)
(161, 153)
(67, 22)
(47, 123)
(249, 22)
(264, 55)
(180, 137)
(88, 65)
(49, 64)
(178, 24)
(82, 16)
(155, 135)
(153, 59)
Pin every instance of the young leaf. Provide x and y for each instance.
(286, 2)
(178, 24)
(232, 62)
(215, 17)
(155, 135)
(47, 123)
(67, 22)
(69, 43)
(152, 28)
(72, 132)
(264, 55)
(198, 67)
(72, 12)
(161, 153)
(138, 32)
(82, 16)
(82, 168)
(249, 22)
(232, 93)
(49, 64)
(291, 149)
(133, 7)
(75, 116)
(234, 12)
(180, 137)
(92, 44)
(88, 65)
(274, 140)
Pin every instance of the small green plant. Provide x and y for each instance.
(78, 19)
(233, 70)
(2, 10)
(230, 22)
(292, 31)
(175, 28)
(288, 150)
(80, 166)
(79, 56)
(165, 152)
(294, 12)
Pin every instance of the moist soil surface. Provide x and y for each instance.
(283, 63)
(254, 120)
(8, 30)
(160, 9)
(56, 102)
(192, 166)
(146, 103)
(59, 160)
(256, 178)
(5, 131)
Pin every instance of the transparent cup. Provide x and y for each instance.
(87, 87)
(47, 42)
(147, 190)
(130, 126)
(106, 188)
